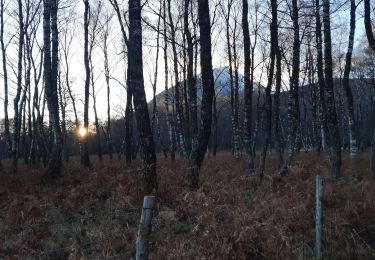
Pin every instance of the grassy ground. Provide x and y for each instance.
(94, 214)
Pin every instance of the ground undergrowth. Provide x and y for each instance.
(94, 214)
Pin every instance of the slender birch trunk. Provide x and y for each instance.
(50, 79)
(248, 90)
(85, 159)
(349, 95)
(335, 145)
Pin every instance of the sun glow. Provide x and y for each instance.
(82, 131)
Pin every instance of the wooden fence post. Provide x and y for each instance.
(319, 191)
(144, 229)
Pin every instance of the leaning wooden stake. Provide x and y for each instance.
(319, 190)
(144, 229)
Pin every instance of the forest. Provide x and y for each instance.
(246, 129)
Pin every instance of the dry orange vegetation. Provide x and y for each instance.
(94, 215)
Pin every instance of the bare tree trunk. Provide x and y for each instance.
(316, 140)
(155, 122)
(129, 94)
(179, 110)
(23, 127)
(128, 126)
(171, 132)
(349, 95)
(184, 99)
(97, 126)
(50, 79)
(136, 83)
(279, 141)
(94, 17)
(334, 146)
(293, 102)
(191, 82)
(85, 159)
(198, 151)
(66, 48)
(29, 49)
(258, 122)
(26, 87)
(5, 78)
(16, 120)
(119, 17)
(268, 101)
(248, 95)
(37, 140)
(92, 43)
(371, 40)
(107, 78)
(252, 69)
(31, 32)
(321, 81)
(214, 127)
(231, 77)
(236, 115)
(64, 131)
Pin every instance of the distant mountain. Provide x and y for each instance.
(363, 104)
(222, 84)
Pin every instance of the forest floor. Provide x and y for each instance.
(94, 214)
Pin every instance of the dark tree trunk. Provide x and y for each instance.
(214, 127)
(198, 151)
(231, 78)
(92, 43)
(97, 126)
(65, 50)
(43, 140)
(26, 87)
(179, 109)
(36, 146)
(29, 49)
(334, 135)
(155, 120)
(107, 77)
(349, 95)
(236, 113)
(16, 120)
(128, 126)
(85, 159)
(191, 83)
(119, 17)
(64, 131)
(171, 132)
(314, 96)
(129, 94)
(368, 24)
(5, 79)
(136, 83)
(248, 95)
(50, 79)
(293, 102)
(268, 101)
(371, 40)
(279, 141)
(258, 121)
(155, 81)
(252, 69)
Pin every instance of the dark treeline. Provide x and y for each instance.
(281, 84)
(311, 138)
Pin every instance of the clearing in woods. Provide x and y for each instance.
(95, 214)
